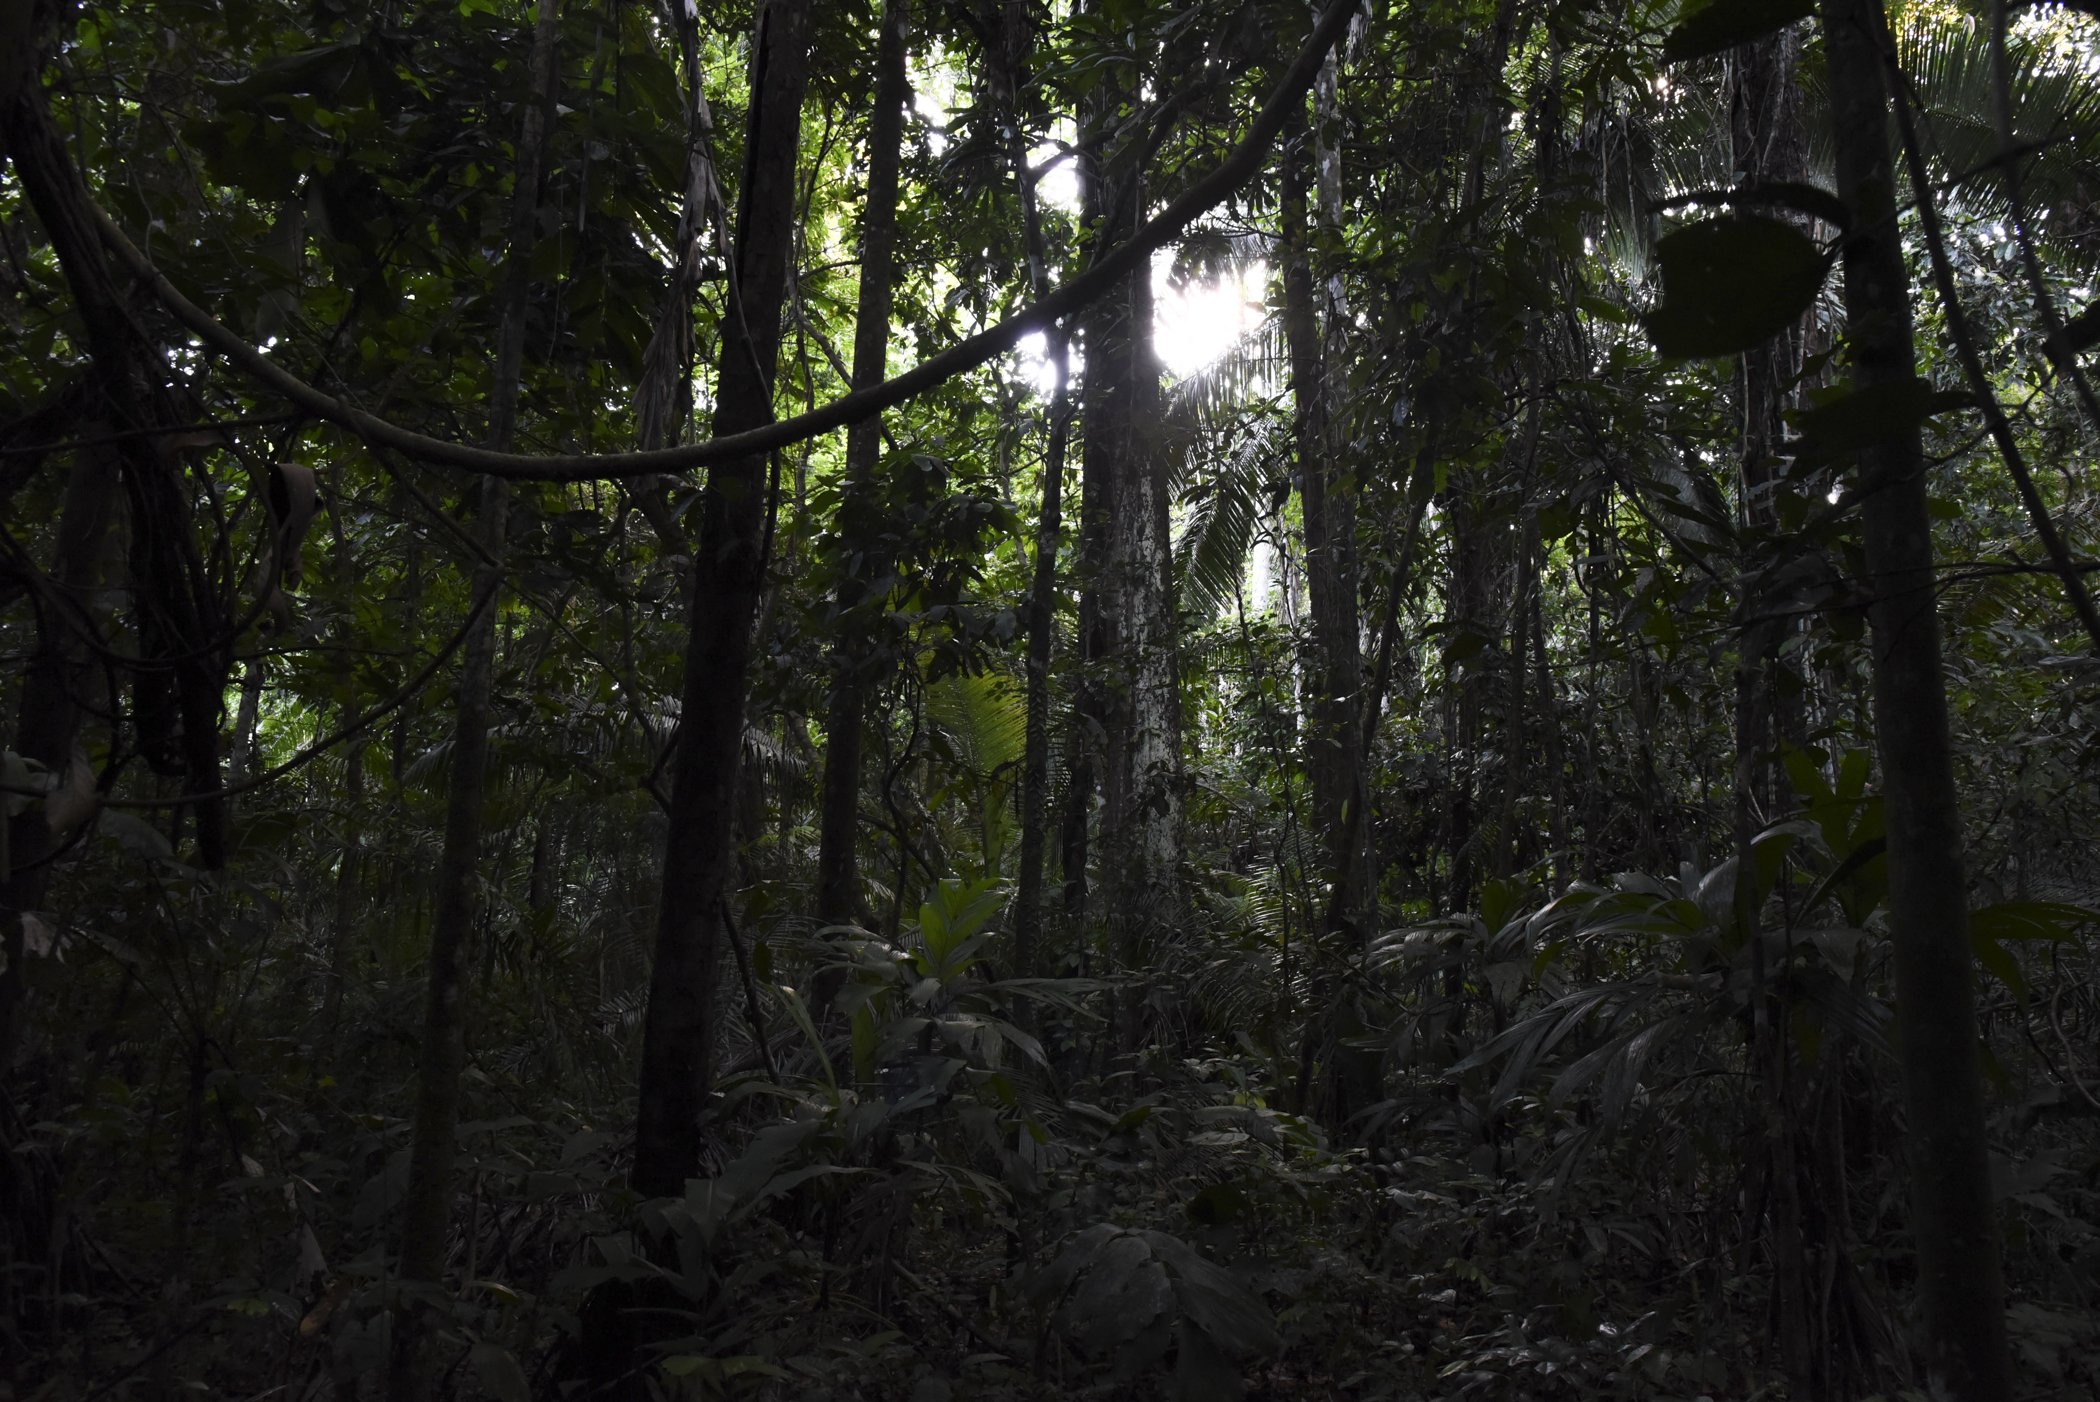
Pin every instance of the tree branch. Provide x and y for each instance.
(1235, 170)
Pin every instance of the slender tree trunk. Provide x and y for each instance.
(543, 882)
(245, 722)
(1514, 740)
(861, 589)
(1768, 144)
(1336, 601)
(664, 399)
(426, 1207)
(1953, 1221)
(1476, 568)
(1007, 68)
(678, 1034)
(1333, 756)
(1042, 631)
(348, 877)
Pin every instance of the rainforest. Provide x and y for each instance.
(1026, 699)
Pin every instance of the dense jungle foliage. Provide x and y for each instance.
(997, 699)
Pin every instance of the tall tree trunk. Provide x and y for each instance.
(1107, 211)
(185, 624)
(426, 1207)
(1133, 647)
(678, 1033)
(861, 589)
(54, 689)
(1953, 1221)
(1141, 809)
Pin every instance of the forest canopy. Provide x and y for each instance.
(942, 699)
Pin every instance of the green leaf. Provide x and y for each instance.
(1220, 1202)
(1201, 1372)
(1720, 26)
(1999, 963)
(1804, 770)
(800, 1012)
(2081, 332)
(1797, 195)
(1733, 283)
(1125, 1289)
(1843, 425)
(501, 1377)
(2029, 920)
(1991, 926)
(137, 836)
(1215, 1300)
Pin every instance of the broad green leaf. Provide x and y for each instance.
(2081, 332)
(1843, 425)
(1992, 925)
(1215, 1300)
(1201, 1371)
(2030, 920)
(1124, 1290)
(1720, 26)
(1733, 283)
(500, 1375)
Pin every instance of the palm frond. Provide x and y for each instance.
(1210, 555)
(2056, 115)
(984, 716)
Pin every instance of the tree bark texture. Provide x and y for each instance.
(863, 583)
(1961, 1291)
(678, 1034)
(1132, 652)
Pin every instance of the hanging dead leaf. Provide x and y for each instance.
(294, 490)
(317, 1318)
(39, 940)
(74, 800)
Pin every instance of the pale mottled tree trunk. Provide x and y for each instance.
(1133, 684)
